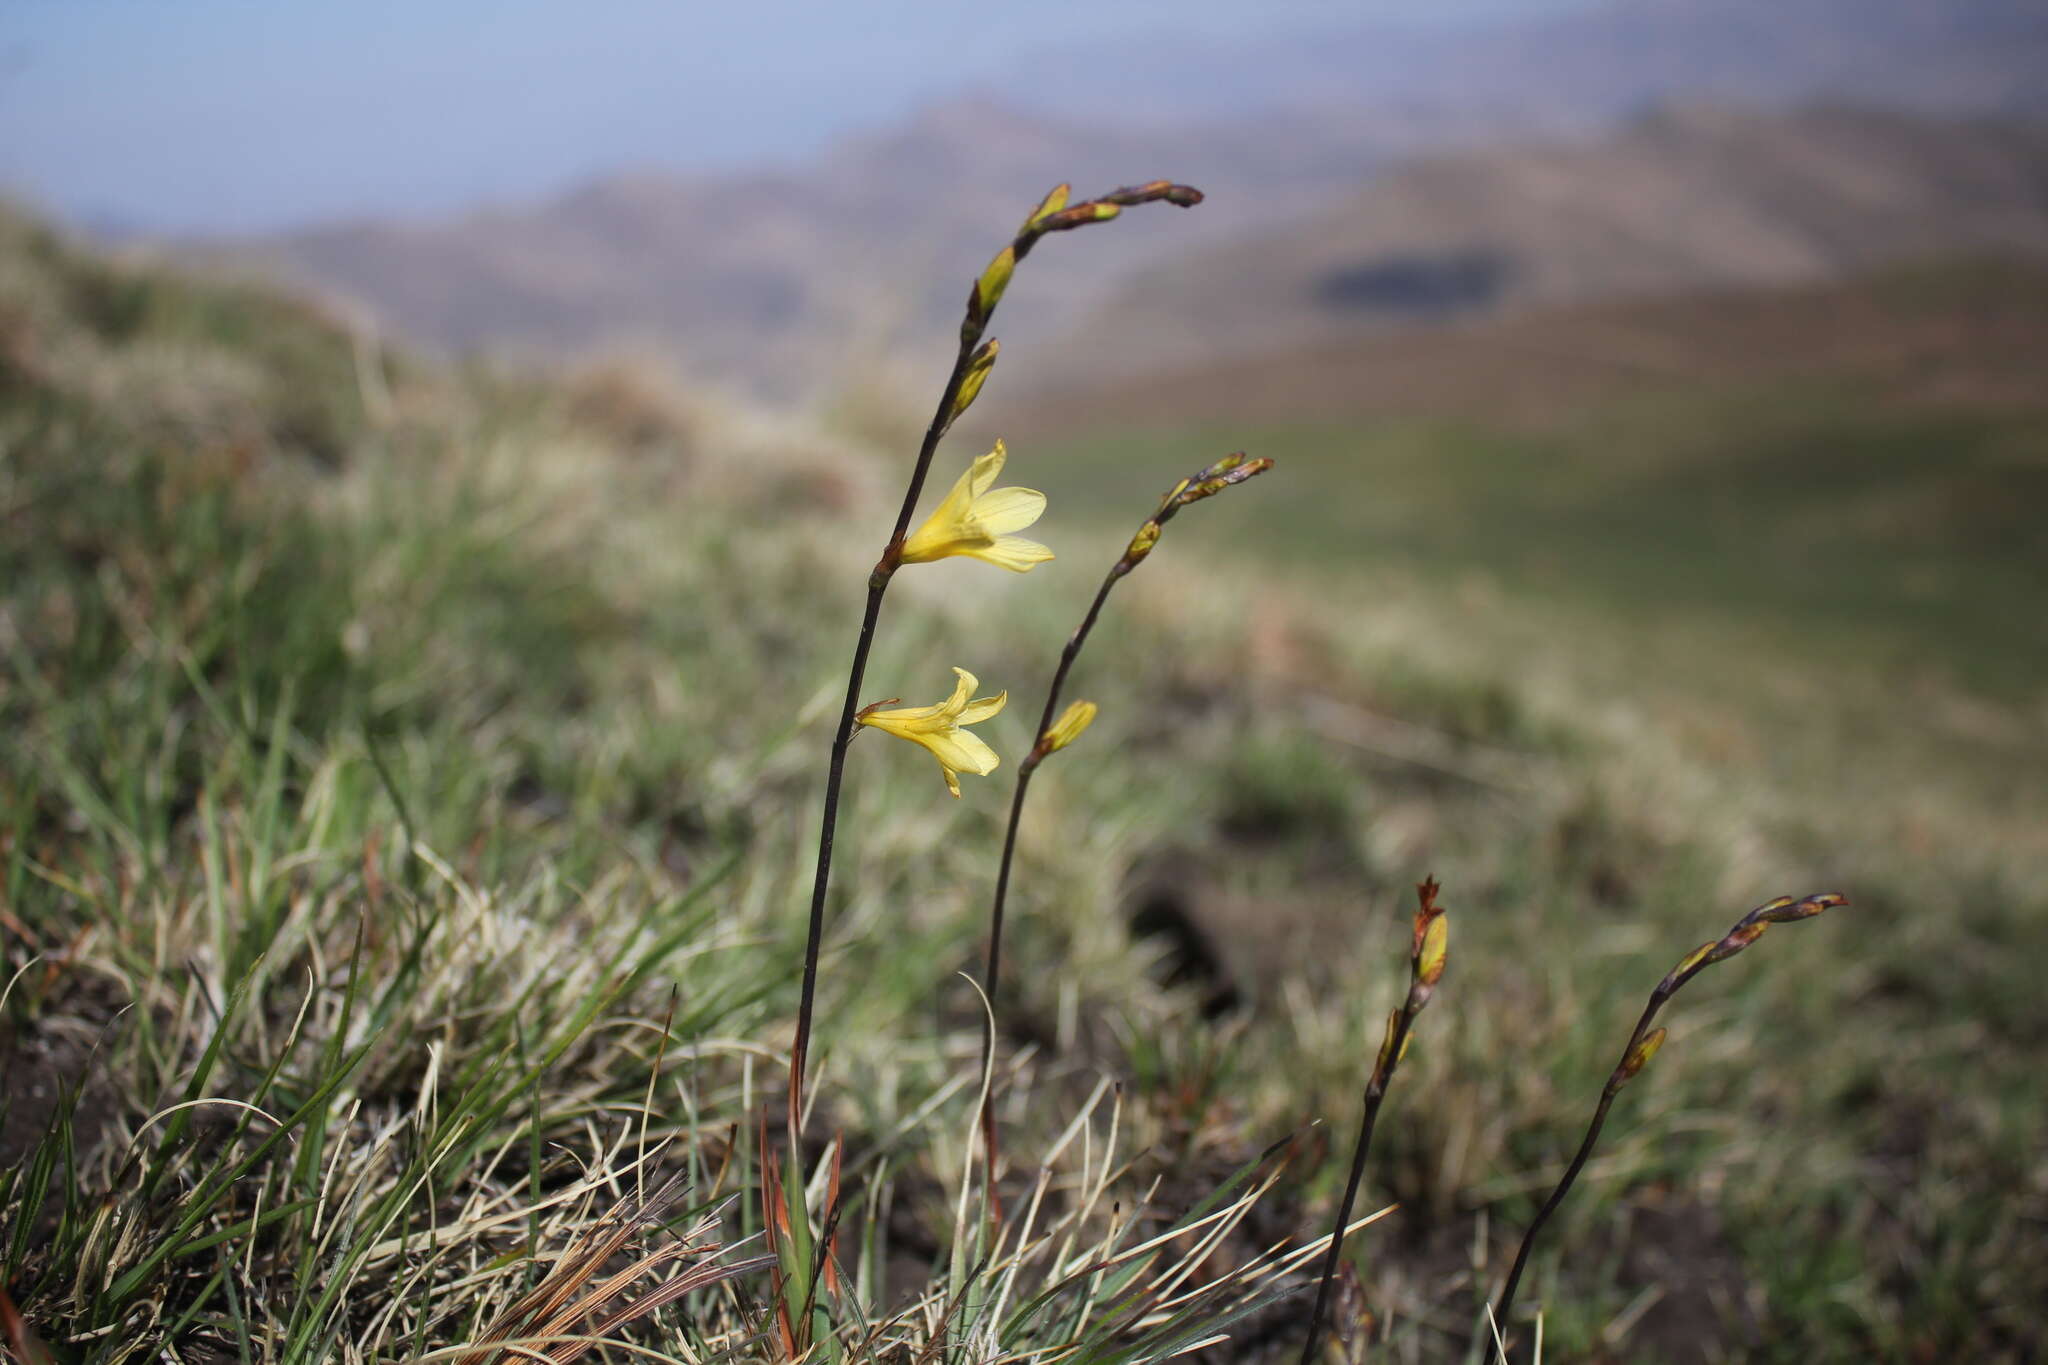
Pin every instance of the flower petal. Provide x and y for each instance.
(986, 467)
(1007, 509)
(962, 750)
(937, 537)
(963, 687)
(1014, 553)
(982, 708)
(952, 781)
(904, 721)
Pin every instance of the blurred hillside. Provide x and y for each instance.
(1678, 202)
(1596, 62)
(784, 283)
(819, 279)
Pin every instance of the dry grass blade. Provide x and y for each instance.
(566, 1296)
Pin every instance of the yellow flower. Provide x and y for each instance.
(937, 728)
(976, 520)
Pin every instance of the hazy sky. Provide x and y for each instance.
(238, 114)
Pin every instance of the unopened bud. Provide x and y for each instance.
(1054, 201)
(1387, 1057)
(1737, 939)
(1693, 959)
(1142, 543)
(1785, 910)
(1186, 196)
(978, 367)
(1209, 482)
(1436, 942)
(1068, 727)
(1639, 1056)
(1080, 215)
(988, 291)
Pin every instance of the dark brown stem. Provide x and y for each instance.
(1747, 930)
(1615, 1080)
(1375, 1092)
(992, 968)
(878, 585)
(1204, 483)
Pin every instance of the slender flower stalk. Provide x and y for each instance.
(1056, 734)
(1643, 1045)
(1427, 956)
(971, 367)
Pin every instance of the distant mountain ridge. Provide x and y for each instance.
(776, 281)
(1601, 61)
(1680, 201)
(797, 282)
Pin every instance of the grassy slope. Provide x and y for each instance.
(1778, 556)
(527, 686)
(427, 762)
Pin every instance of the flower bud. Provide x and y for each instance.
(1692, 960)
(1054, 201)
(1436, 942)
(1232, 469)
(1738, 938)
(1064, 731)
(1078, 216)
(978, 367)
(1142, 543)
(1639, 1056)
(1785, 910)
(988, 291)
(1387, 1058)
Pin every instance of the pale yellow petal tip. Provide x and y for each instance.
(1014, 553)
(983, 708)
(1068, 727)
